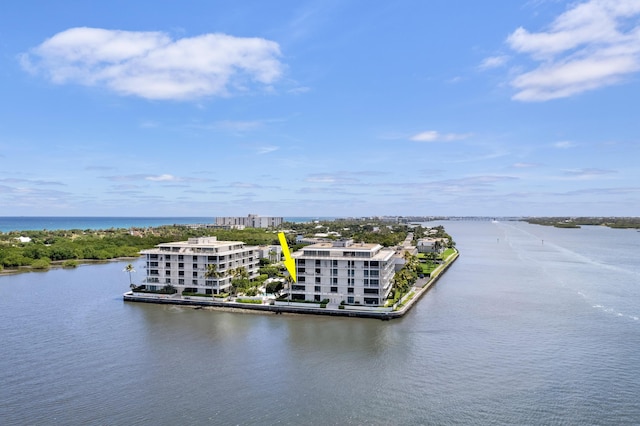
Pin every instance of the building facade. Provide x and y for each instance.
(343, 271)
(251, 221)
(184, 264)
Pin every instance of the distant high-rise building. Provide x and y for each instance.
(251, 221)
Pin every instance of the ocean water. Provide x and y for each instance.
(25, 223)
(532, 325)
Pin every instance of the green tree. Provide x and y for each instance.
(129, 269)
(212, 271)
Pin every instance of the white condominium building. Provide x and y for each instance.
(251, 221)
(343, 271)
(184, 264)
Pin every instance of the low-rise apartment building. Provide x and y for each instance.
(343, 271)
(184, 264)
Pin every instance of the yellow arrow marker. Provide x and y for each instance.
(288, 261)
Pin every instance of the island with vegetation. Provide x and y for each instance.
(577, 222)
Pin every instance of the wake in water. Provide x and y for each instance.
(578, 260)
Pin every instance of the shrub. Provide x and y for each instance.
(43, 263)
(190, 293)
(69, 264)
(256, 302)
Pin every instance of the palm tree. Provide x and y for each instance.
(129, 269)
(212, 272)
(240, 272)
(411, 261)
(238, 277)
(289, 280)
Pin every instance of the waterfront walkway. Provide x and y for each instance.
(420, 288)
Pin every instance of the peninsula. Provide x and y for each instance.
(380, 275)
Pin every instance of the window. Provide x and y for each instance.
(301, 279)
(296, 287)
(180, 281)
(167, 257)
(334, 263)
(317, 289)
(334, 289)
(180, 265)
(194, 274)
(370, 291)
(153, 264)
(195, 266)
(167, 273)
(350, 299)
(317, 270)
(180, 257)
(375, 273)
(153, 272)
(167, 280)
(318, 262)
(350, 290)
(181, 273)
(316, 298)
(153, 256)
(366, 273)
(334, 281)
(371, 300)
(167, 265)
(318, 280)
(374, 283)
(350, 281)
(301, 262)
(374, 263)
(211, 258)
(300, 270)
(334, 272)
(194, 282)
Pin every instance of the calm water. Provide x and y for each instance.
(517, 332)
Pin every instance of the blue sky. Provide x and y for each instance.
(320, 108)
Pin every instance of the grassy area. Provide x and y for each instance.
(447, 253)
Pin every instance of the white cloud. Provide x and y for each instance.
(565, 144)
(524, 165)
(493, 62)
(586, 174)
(151, 65)
(593, 44)
(338, 178)
(163, 178)
(267, 149)
(434, 136)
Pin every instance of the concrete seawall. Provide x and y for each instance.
(279, 309)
